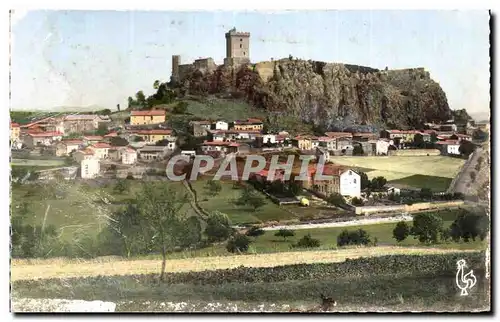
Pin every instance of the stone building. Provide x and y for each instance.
(237, 54)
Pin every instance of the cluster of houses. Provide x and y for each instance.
(65, 136)
(146, 139)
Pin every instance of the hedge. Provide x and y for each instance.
(391, 265)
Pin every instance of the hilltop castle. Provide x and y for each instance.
(237, 54)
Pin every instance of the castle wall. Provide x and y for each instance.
(205, 64)
(265, 70)
(185, 70)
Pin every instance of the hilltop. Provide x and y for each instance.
(329, 95)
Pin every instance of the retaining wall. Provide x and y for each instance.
(367, 210)
(414, 152)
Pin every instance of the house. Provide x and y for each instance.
(79, 123)
(221, 125)
(129, 156)
(115, 153)
(364, 136)
(327, 143)
(66, 147)
(41, 138)
(250, 124)
(48, 124)
(282, 139)
(345, 181)
(263, 175)
(92, 139)
(393, 190)
(201, 128)
(391, 134)
(153, 153)
(448, 127)
(147, 117)
(449, 147)
(85, 154)
(101, 150)
(405, 136)
(225, 147)
(305, 142)
(156, 135)
(90, 168)
(15, 132)
(246, 134)
(188, 153)
(382, 146)
(343, 140)
(269, 138)
(322, 152)
(111, 135)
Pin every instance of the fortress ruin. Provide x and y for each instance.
(237, 54)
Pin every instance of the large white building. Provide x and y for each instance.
(350, 184)
(129, 156)
(90, 168)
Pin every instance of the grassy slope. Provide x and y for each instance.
(435, 172)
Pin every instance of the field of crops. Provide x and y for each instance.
(435, 172)
(58, 268)
(387, 282)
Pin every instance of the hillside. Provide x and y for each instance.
(329, 95)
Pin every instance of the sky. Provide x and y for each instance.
(83, 58)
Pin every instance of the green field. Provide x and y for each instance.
(223, 202)
(434, 172)
(76, 209)
(229, 110)
(37, 163)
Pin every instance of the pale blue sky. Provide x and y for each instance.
(81, 58)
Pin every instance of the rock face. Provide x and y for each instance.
(333, 96)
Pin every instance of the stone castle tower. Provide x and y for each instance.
(237, 48)
(176, 61)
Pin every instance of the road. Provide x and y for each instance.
(464, 176)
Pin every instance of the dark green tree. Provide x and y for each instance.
(426, 227)
(307, 242)
(212, 188)
(336, 199)
(238, 244)
(218, 227)
(284, 233)
(255, 231)
(401, 231)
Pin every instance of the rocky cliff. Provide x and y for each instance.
(333, 96)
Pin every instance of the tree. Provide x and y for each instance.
(255, 231)
(284, 233)
(156, 84)
(401, 231)
(180, 108)
(121, 187)
(140, 99)
(307, 242)
(249, 196)
(130, 176)
(118, 107)
(358, 150)
(160, 205)
(213, 188)
(355, 237)
(357, 201)
(378, 183)
(418, 141)
(191, 232)
(126, 224)
(425, 193)
(466, 148)
(365, 182)
(218, 227)
(426, 227)
(434, 138)
(102, 129)
(238, 244)
(118, 141)
(131, 102)
(470, 225)
(336, 199)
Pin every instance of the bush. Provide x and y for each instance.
(469, 225)
(284, 233)
(307, 242)
(336, 199)
(218, 227)
(401, 231)
(355, 237)
(255, 231)
(238, 244)
(426, 227)
(357, 201)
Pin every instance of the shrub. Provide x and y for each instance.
(255, 231)
(284, 233)
(357, 201)
(355, 237)
(218, 227)
(426, 227)
(336, 199)
(469, 225)
(401, 231)
(238, 244)
(307, 242)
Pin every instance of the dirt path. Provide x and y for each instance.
(64, 268)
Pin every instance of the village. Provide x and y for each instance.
(141, 147)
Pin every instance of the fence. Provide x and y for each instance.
(366, 210)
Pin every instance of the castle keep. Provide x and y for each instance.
(237, 54)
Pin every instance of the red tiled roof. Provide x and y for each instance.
(149, 113)
(12, 124)
(72, 141)
(203, 122)
(325, 139)
(111, 134)
(101, 145)
(87, 151)
(93, 137)
(248, 121)
(153, 132)
(448, 142)
(45, 134)
(338, 134)
(247, 131)
(234, 144)
(329, 169)
(215, 143)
